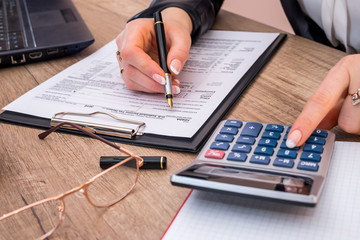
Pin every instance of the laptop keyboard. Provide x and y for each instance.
(11, 34)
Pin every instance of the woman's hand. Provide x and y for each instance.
(138, 57)
(332, 103)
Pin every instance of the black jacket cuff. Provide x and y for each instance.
(201, 12)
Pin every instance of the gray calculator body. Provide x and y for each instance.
(254, 179)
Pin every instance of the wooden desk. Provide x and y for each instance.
(36, 169)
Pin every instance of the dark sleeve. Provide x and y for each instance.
(201, 12)
(302, 24)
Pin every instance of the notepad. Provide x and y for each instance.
(206, 215)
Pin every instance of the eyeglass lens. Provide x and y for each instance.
(37, 221)
(31, 223)
(114, 185)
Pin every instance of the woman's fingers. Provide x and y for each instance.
(324, 104)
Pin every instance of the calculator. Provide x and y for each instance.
(251, 159)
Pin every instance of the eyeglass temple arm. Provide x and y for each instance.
(53, 129)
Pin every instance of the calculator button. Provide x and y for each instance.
(274, 128)
(284, 162)
(229, 130)
(316, 140)
(233, 123)
(272, 135)
(283, 145)
(319, 133)
(246, 140)
(251, 129)
(285, 137)
(217, 154)
(287, 153)
(287, 132)
(241, 148)
(308, 166)
(260, 159)
(224, 138)
(220, 146)
(313, 148)
(235, 156)
(264, 151)
(266, 142)
(314, 157)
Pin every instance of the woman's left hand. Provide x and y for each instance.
(332, 103)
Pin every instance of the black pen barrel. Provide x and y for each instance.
(161, 41)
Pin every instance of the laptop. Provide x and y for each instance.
(37, 30)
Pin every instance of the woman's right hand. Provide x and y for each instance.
(138, 56)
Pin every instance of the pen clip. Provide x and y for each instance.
(122, 132)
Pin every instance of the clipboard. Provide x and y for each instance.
(192, 144)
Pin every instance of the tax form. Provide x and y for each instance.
(217, 61)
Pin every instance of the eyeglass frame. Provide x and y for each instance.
(83, 187)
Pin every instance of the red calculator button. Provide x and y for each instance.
(212, 153)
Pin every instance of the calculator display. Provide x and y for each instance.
(250, 178)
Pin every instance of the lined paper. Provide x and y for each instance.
(208, 215)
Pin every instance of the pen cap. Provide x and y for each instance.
(161, 41)
(154, 162)
(150, 162)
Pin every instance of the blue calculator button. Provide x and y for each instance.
(260, 159)
(224, 138)
(284, 162)
(287, 153)
(313, 148)
(272, 135)
(251, 129)
(266, 142)
(236, 156)
(229, 130)
(283, 146)
(274, 128)
(287, 132)
(319, 133)
(264, 151)
(314, 157)
(241, 148)
(220, 145)
(308, 166)
(316, 140)
(233, 123)
(288, 129)
(246, 140)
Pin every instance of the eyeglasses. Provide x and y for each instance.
(40, 219)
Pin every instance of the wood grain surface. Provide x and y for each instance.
(32, 169)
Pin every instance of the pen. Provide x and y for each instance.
(150, 162)
(161, 43)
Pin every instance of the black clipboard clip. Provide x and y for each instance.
(122, 132)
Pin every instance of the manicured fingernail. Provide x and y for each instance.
(293, 139)
(175, 66)
(177, 81)
(176, 90)
(158, 78)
